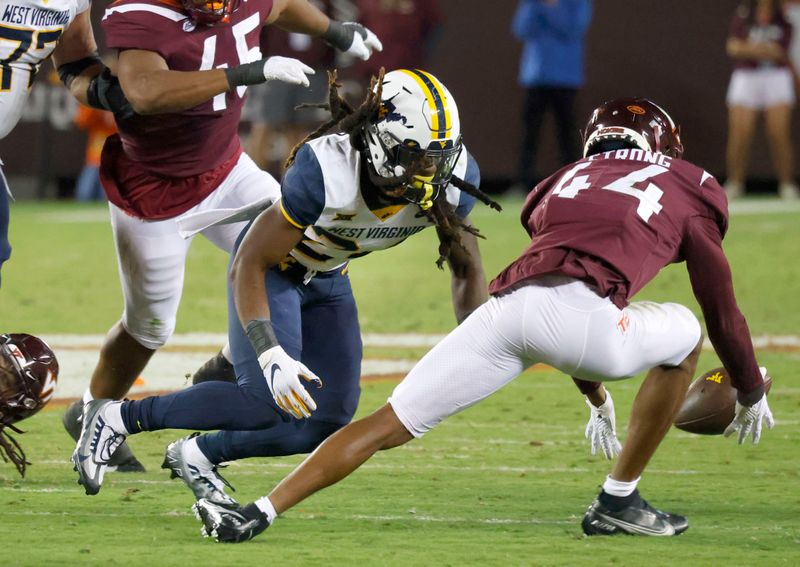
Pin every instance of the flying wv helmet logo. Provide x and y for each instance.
(388, 112)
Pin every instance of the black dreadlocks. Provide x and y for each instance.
(345, 118)
(11, 450)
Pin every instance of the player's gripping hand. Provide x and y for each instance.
(275, 68)
(748, 419)
(352, 38)
(602, 428)
(283, 375)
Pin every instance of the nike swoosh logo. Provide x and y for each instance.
(667, 531)
(275, 368)
(82, 458)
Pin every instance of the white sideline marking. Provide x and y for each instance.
(213, 341)
(765, 206)
(185, 353)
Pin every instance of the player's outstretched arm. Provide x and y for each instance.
(468, 281)
(712, 283)
(301, 16)
(601, 429)
(152, 88)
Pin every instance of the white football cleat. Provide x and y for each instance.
(96, 445)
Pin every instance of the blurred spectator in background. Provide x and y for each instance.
(762, 81)
(409, 30)
(791, 11)
(275, 124)
(99, 125)
(551, 70)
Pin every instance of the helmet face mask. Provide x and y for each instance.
(417, 131)
(635, 122)
(28, 375)
(208, 12)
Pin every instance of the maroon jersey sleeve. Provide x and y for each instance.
(712, 284)
(126, 29)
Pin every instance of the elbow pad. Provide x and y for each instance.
(105, 93)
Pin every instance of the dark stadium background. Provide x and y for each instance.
(672, 52)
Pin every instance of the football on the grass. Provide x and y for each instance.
(710, 404)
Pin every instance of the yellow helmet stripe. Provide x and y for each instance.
(437, 101)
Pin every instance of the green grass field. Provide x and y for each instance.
(504, 483)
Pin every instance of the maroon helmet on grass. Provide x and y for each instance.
(632, 122)
(28, 376)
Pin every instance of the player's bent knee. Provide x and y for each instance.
(393, 430)
(151, 333)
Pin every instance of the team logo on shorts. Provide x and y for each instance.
(716, 377)
(623, 323)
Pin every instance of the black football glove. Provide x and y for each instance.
(353, 39)
(105, 93)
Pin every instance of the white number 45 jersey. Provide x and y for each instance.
(29, 30)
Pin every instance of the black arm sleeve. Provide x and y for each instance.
(712, 284)
(68, 71)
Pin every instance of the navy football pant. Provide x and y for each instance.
(316, 323)
(5, 247)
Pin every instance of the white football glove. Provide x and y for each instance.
(287, 70)
(283, 374)
(364, 41)
(748, 418)
(602, 428)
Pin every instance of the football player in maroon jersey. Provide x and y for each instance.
(184, 65)
(600, 228)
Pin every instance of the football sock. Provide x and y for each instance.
(617, 495)
(195, 455)
(618, 487)
(226, 353)
(113, 416)
(87, 396)
(618, 503)
(267, 508)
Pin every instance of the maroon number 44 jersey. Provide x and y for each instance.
(616, 218)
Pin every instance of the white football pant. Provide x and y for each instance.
(553, 320)
(152, 255)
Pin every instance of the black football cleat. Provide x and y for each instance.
(123, 459)
(637, 518)
(216, 368)
(229, 523)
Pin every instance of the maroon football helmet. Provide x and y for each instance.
(209, 12)
(637, 122)
(28, 376)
